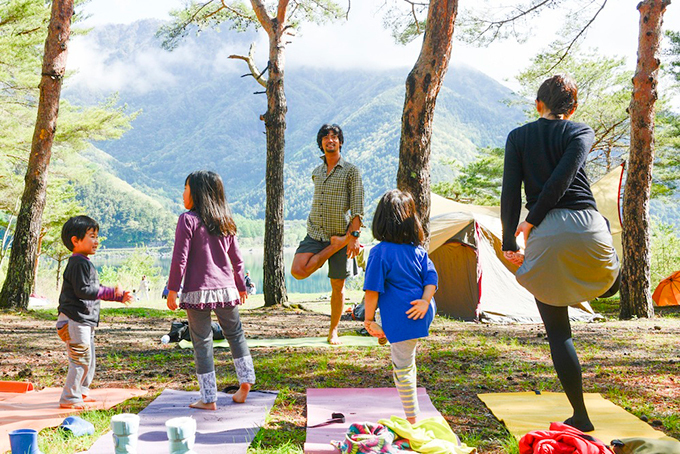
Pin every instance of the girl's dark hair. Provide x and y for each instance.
(395, 219)
(77, 226)
(210, 203)
(559, 94)
(325, 129)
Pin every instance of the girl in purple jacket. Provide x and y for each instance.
(207, 257)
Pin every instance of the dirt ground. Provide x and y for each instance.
(634, 363)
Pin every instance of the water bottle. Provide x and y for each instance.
(165, 339)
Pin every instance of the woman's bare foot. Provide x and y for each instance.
(199, 404)
(240, 396)
(333, 338)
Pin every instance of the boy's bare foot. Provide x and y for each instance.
(412, 420)
(240, 396)
(333, 338)
(199, 404)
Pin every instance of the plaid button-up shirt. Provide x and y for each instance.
(338, 198)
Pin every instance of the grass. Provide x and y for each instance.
(632, 363)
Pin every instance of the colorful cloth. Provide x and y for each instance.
(429, 436)
(368, 438)
(561, 439)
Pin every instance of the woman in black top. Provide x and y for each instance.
(569, 255)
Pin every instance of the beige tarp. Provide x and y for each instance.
(475, 280)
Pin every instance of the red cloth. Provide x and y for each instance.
(561, 439)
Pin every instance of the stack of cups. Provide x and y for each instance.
(125, 428)
(181, 434)
(24, 441)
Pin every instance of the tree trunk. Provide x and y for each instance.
(636, 300)
(422, 87)
(19, 281)
(274, 282)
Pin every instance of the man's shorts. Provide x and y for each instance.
(339, 266)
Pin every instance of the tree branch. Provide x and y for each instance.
(262, 15)
(257, 75)
(573, 41)
(281, 12)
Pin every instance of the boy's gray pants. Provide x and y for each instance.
(202, 339)
(79, 339)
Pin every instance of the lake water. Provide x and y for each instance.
(253, 259)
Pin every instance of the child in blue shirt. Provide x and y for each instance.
(401, 281)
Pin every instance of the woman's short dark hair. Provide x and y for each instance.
(559, 94)
(77, 226)
(210, 203)
(325, 129)
(396, 221)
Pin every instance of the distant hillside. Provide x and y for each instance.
(197, 114)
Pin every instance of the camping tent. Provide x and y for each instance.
(475, 281)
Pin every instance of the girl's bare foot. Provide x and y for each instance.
(240, 396)
(203, 406)
(412, 420)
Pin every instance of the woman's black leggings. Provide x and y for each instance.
(565, 360)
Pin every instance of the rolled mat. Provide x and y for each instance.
(40, 409)
(15, 386)
(228, 430)
(525, 412)
(358, 405)
(347, 341)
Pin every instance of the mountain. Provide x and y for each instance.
(197, 112)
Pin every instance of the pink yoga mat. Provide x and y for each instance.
(358, 405)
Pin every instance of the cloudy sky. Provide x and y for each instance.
(362, 41)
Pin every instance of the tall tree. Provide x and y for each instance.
(422, 87)
(20, 273)
(277, 21)
(636, 300)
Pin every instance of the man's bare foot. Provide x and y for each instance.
(412, 420)
(333, 338)
(199, 404)
(240, 396)
(340, 241)
(88, 399)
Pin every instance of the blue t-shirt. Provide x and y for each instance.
(399, 273)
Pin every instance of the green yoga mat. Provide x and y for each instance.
(347, 341)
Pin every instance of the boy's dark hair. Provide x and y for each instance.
(77, 226)
(210, 203)
(395, 219)
(325, 129)
(559, 94)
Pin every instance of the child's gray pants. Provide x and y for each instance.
(79, 339)
(404, 374)
(202, 339)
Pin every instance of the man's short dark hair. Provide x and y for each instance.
(77, 226)
(325, 129)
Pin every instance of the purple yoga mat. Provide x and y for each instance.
(359, 405)
(228, 430)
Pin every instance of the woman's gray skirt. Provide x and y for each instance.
(569, 258)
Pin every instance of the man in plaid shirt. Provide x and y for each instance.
(334, 223)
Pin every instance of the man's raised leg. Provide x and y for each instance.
(337, 307)
(305, 263)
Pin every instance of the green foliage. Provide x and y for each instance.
(139, 263)
(23, 30)
(478, 182)
(665, 252)
(672, 51)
